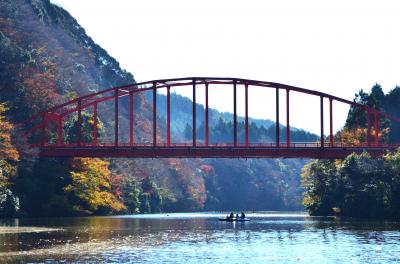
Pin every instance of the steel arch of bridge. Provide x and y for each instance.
(277, 149)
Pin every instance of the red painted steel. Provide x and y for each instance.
(95, 124)
(206, 137)
(330, 122)
(137, 87)
(322, 120)
(211, 152)
(194, 113)
(376, 128)
(79, 132)
(246, 119)
(41, 122)
(277, 129)
(116, 118)
(368, 127)
(154, 114)
(168, 115)
(131, 118)
(234, 116)
(287, 119)
(59, 131)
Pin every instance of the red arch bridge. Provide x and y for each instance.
(38, 126)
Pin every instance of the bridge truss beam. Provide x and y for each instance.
(41, 122)
(208, 152)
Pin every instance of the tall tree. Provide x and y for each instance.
(8, 152)
(9, 203)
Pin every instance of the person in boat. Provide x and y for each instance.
(231, 216)
(242, 215)
(237, 216)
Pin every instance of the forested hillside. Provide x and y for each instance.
(46, 58)
(360, 185)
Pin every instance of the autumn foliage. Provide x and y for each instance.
(358, 136)
(8, 152)
(40, 85)
(91, 184)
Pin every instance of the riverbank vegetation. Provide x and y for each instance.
(360, 185)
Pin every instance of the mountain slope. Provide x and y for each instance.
(45, 59)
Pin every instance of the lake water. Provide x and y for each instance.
(270, 237)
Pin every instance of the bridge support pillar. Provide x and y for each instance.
(116, 112)
(168, 115)
(194, 114)
(234, 115)
(277, 129)
(368, 127)
(154, 114)
(131, 118)
(322, 121)
(246, 120)
(59, 131)
(79, 132)
(330, 123)
(94, 143)
(206, 114)
(287, 119)
(376, 128)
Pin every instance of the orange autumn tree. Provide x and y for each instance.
(359, 135)
(91, 185)
(8, 153)
(39, 80)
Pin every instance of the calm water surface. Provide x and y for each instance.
(200, 238)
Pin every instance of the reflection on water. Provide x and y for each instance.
(200, 237)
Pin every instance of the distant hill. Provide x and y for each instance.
(260, 130)
(183, 106)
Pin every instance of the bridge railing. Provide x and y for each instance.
(226, 145)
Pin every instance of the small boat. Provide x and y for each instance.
(234, 219)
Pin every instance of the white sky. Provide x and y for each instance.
(337, 47)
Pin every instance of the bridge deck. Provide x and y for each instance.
(209, 151)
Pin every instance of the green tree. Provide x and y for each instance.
(319, 182)
(358, 186)
(40, 184)
(131, 192)
(71, 128)
(392, 102)
(392, 175)
(151, 198)
(145, 206)
(364, 186)
(357, 116)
